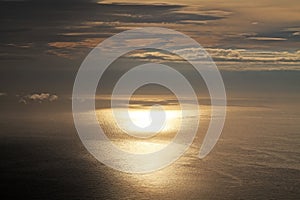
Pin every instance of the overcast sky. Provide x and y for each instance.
(43, 42)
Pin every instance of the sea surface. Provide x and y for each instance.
(257, 157)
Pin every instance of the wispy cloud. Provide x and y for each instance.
(237, 59)
(154, 56)
(219, 54)
(254, 55)
(267, 38)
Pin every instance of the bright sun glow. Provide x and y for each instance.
(140, 120)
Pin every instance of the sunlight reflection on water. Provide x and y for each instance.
(141, 118)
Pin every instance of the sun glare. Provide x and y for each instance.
(141, 120)
(139, 126)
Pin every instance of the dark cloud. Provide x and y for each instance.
(38, 23)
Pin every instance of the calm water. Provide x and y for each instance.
(257, 157)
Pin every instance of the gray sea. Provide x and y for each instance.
(257, 157)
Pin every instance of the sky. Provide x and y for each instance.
(255, 44)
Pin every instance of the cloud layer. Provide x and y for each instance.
(237, 59)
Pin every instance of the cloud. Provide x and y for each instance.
(91, 42)
(296, 33)
(53, 98)
(23, 101)
(267, 38)
(243, 55)
(86, 35)
(42, 97)
(154, 56)
(237, 59)
(254, 55)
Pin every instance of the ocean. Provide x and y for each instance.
(256, 157)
